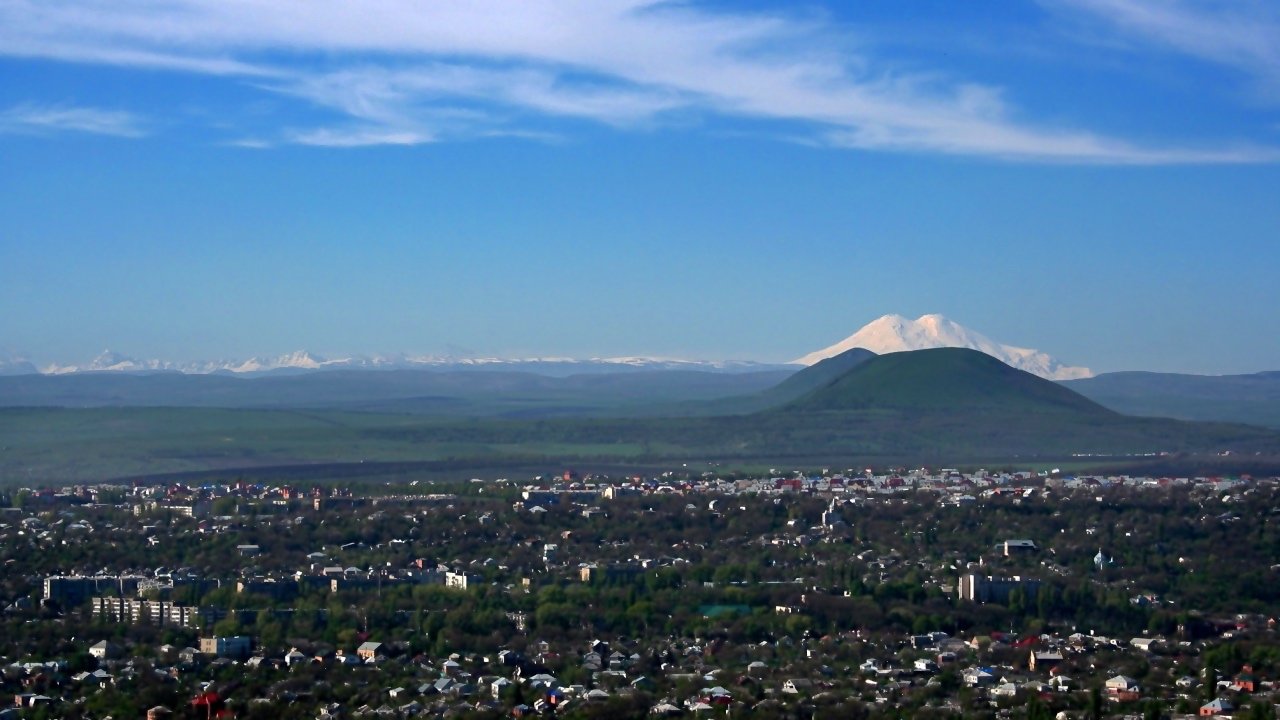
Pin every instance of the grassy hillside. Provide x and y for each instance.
(816, 376)
(950, 380)
(1253, 399)
(798, 385)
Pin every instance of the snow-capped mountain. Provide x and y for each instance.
(303, 361)
(110, 361)
(894, 333)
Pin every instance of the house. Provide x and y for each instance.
(103, 650)
(1221, 706)
(1006, 689)
(543, 680)
(985, 588)
(1145, 644)
(235, 646)
(1246, 680)
(95, 678)
(369, 650)
(795, 686)
(618, 661)
(459, 581)
(1013, 547)
(1123, 688)
(1044, 660)
(977, 677)
(642, 683)
(463, 689)
(1121, 683)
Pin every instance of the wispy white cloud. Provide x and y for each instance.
(250, 143)
(1242, 34)
(33, 118)
(356, 137)
(413, 71)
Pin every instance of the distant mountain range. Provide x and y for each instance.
(888, 334)
(894, 333)
(555, 386)
(934, 406)
(1252, 398)
(304, 361)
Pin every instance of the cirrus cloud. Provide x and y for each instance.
(403, 72)
(34, 118)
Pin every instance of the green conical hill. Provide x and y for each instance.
(950, 380)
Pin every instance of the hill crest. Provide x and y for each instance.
(950, 380)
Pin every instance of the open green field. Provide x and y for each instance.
(66, 445)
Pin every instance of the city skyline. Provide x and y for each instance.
(1097, 179)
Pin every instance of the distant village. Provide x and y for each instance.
(903, 593)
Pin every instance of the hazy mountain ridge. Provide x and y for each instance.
(300, 361)
(494, 391)
(1250, 398)
(895, 333)
(928, 406)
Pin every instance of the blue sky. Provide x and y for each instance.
(1099, 179)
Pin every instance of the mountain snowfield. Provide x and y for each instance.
(894, 333)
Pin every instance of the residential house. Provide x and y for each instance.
(1219, 707)
(1044, 661)
(236, 646)
(1246, 681)
(369, 650)
(795, 686)
(103, 650)
(1145, 644)
(1123, 688)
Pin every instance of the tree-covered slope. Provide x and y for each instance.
(950, 380)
